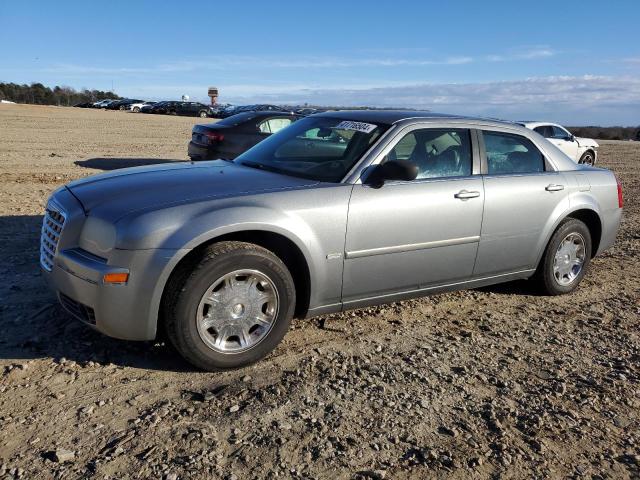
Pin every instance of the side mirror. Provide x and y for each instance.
(402, 170)
(572, 138)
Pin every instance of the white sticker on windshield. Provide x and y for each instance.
(357, 126)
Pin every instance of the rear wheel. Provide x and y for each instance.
(203, 114)
(588, 158)
(231, 308)
(136, 109)
(565, 259)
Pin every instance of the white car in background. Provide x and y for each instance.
(578, 149)
(135, 107)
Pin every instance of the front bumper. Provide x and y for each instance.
(126, 311)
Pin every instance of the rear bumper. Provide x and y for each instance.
(125, 311)
(200, 152)
(610, 226)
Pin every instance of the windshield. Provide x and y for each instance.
(319, 148)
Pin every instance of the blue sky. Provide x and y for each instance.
(573, 62)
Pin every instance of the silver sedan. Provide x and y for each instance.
(340, 210)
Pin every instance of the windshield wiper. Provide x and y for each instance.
(262, 166)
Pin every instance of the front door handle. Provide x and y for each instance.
(554, 187)
(464, 194)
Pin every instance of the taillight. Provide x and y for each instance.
(214, 137)
(620, 199)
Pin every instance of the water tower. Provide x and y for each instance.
(213, 95)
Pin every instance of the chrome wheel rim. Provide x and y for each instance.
(569, 259)
(237, 311)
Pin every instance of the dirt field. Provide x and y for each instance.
(497, 382)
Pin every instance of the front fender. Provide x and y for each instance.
(210, 225)
(315, 221)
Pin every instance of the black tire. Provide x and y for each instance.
(188, 285)
(203, 114)
(136, 109)
(588, 158)
(545, 277)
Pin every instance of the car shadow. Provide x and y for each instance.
(515, 287)
(115, 163)
(35, 326)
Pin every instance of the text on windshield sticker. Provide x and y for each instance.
(357, 126)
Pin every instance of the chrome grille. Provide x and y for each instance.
(52, 226)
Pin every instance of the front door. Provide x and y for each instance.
(407, 236)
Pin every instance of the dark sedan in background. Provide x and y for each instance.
(234, 135)
(123, 104)
(188, 109)
(236, 109)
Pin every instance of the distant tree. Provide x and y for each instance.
(38, 94)
(606, 133)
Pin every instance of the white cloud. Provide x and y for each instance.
(234, 62)
(570, 99)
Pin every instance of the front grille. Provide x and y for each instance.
(78, 310)
(52, 226)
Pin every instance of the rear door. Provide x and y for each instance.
(522, 191)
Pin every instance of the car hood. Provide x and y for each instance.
(586, 142)
(116, 194)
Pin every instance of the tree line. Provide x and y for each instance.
(607, 133)
(38, 94)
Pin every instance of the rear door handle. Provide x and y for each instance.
(554, 187)
(464, 194)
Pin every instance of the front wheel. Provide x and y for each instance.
(231, 308)
(136, 109)
(203, 114)
(565, 259)
(588, 158)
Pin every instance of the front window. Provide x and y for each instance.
(560, 133)
(436, 152)
(319, 148)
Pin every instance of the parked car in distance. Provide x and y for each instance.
(309, 111)
(162, 107)
(84, 105)
(260, 108)
(104, 103)
(135, 107)
(123, 104)
(235, 109)
(156, 107)
(580, 150)
(339, 210)
(226, 111)
(216, 110)
(234, 135)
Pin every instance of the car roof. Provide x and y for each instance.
(533, 124)
(394, 116)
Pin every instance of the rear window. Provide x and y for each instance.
(509, 153)
(237, 119)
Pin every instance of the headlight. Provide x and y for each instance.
(98, 236)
